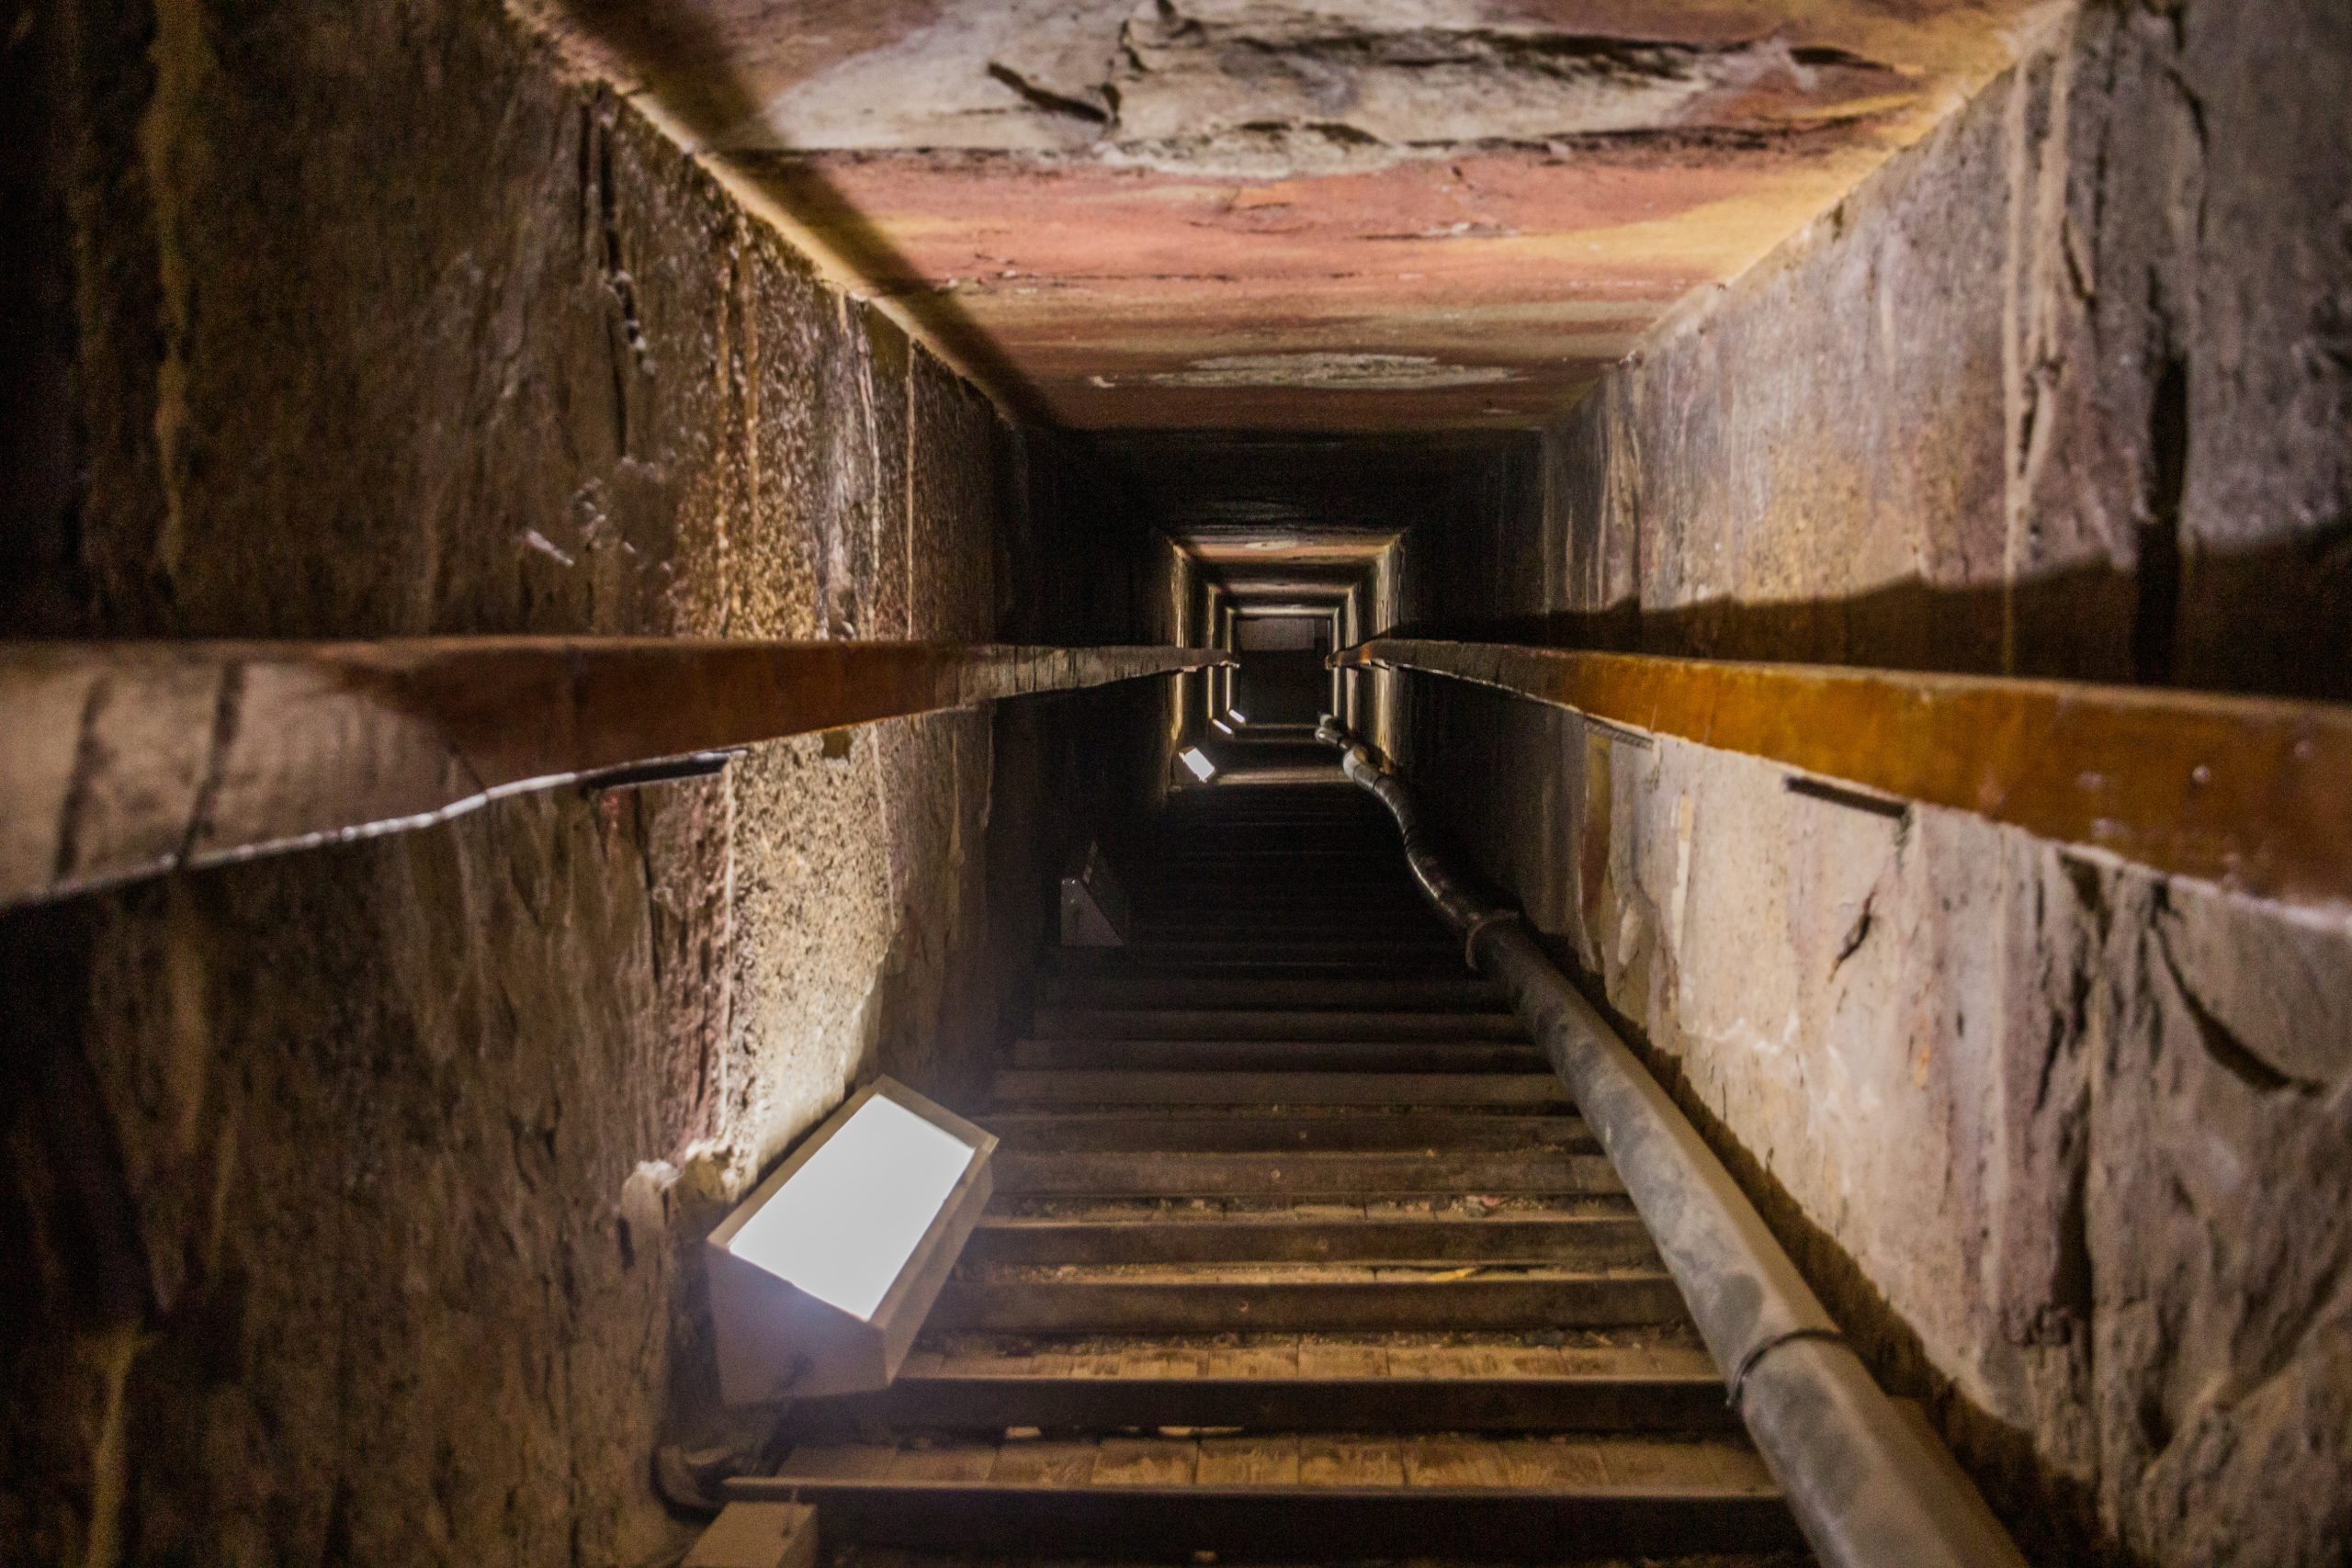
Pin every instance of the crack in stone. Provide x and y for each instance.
(1859, 933)
(2221, 1041)
(1045, 99)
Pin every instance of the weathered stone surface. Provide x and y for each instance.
(1301, 214)
(352, 1198)
(2058, 391)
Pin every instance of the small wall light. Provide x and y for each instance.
(820, 1280)
(1238, 717)
(1196, 759)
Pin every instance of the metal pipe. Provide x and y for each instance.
(1868, 1485)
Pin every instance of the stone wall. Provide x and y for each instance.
(2063, 390)
(351, 1197)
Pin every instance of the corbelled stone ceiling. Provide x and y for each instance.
(1302, 214)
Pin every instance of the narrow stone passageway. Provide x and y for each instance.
(1298, 1250)
(1176, 780)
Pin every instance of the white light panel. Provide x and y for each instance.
(845, 1223)
(1196, 759)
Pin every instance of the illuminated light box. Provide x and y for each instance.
(1198, 761)
(822, 1279)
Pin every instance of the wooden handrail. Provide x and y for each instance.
(127, 759)
(2250, 793)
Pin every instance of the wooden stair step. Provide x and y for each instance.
(1267, 1382)
(1322, 1494)
(1261, 955)
(1116, 991)
(1340, 1172)
(1224, 1128)
(1211, 1299)
(1339, 926)
(1175, 967)
(1250, 1056)
(1305, 1235)
(1273, 1023)
(1084, 1086)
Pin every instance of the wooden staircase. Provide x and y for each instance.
(1299, 1253)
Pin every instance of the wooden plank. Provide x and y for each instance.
(1450, 1460)
(1274, 1024)
(1088, 1087)
(1430, 957)
(1194, 1305)
(1351, 1461)
(943, 1461)
(1591, 1239)
(1041, 1462)
(1281, 1056)
(1077, 987)
(1255, 1394)
(129, 759)
(1145, 1462)
(844, 1461)
(1222, 1131)
(1352, 1503)
(1249, 1461)
(1262, 1357)
(1322, 1357)
(1332, 1172)
(2247, 792)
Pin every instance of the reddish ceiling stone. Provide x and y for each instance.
(1296, 213)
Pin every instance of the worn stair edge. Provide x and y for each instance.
(1383, 1522)
(1212, 1306)
(1612, 1240)
(1274, 1023)
(1333, 1173)
(1275, 1056)
(1113, 991)
(982, 1401)
(1223, 1128)
(1085, 1087)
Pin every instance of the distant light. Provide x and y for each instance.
(820, 1280)
(845, 1224)
(1223, 728)
(1192, 757)
(1238, 717)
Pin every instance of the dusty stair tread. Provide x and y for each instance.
(1339, 1172)
(1186, 1129)
(1325, 1493)
(1282, 1056)
(1331, 931)
(1451, 1238)
(1113, 991)
(1114, 1086)
(1636, 1381)
(1657, 1351)
(1274, 1023)
(868, 1554)
(1136, 1208)
(1124, 964)
(1432, 952)
(1212, 1299)
(1407, 1276)
(1712, 1465)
